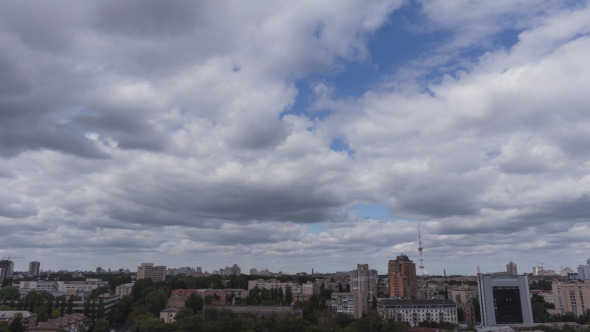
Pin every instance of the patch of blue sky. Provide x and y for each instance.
(338, 145)
(376, 211)
(390, 48)
(317, 228)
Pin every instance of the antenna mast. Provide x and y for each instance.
(420, 251)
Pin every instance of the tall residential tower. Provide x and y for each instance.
(402, 277)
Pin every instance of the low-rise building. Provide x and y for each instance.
(267, 311)
(28, 319)
(124, 289)
(69, 323)
(414, 312)
(168, 314)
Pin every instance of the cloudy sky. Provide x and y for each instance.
(295, 135)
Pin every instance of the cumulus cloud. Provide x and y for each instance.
(135, 130)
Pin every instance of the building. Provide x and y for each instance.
(168, 314)
(402, 277)
(267, 311)
(39, 286)
(124, 289)
(571, 297)
(34, 269)
(504, 299)
(69, 323)
(547, 295)
(566, 271)
(350, 303)
(149, 271)
(364, 281)
(511, 268)
(414, 312)
(463, 294)
(584, 272)
(537, 270)
(6, 267)
(28, 319)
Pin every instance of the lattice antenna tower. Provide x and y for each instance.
(420, 249)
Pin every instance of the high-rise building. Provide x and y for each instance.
(504, 299)
(571, 296)
(34, 269)
(149, 271)
(364, 281)
(537, 270)
(584, 272)
(402, 277)
(6, 267)
(511, 268)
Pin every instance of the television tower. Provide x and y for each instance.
(420, 251)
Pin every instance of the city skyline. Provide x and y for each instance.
(295, 135)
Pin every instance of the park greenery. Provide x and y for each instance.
(139, 311)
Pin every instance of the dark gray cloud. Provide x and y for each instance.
(146, 131)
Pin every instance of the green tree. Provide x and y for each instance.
(99, 291)
(288, 296)
(195, 302)
(42, 313)
(155, 301)
(122, 309)
(55, 313)
(9, 294)
(101, 325)
(186, 320)
(17, 324)
(70, 306)
(149, 323)
(540, 313)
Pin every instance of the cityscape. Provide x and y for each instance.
(270, 166)
(404, 297)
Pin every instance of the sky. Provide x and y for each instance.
(295, 135)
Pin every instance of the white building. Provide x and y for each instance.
(414, 312)
(504, 299)
(124, 289)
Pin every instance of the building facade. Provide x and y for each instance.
(504, 299)
(34, 269)
(350, 303)
(511, 268)
(414, 312)
(584, 272)
(571, 297)
(402, 277)
(124, 289)
(6, 267)
(149, 271)
(365, 281)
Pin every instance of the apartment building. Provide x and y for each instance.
(571, 297)
(414, 312)
(149, 271)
